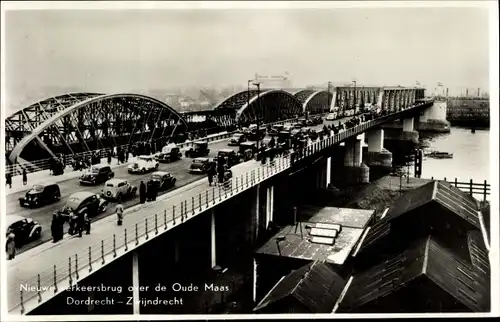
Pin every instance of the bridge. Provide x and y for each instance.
(67, 124)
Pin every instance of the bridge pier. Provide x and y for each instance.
(135, 282)
(433, 119)
(354, 170)
(213, 245)
(377, 155)
(269, 206)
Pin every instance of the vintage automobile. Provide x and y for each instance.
(284, 136)
(257, 133)
(169, 153)
(236, 139)
(230, 156)
(118, 189)
(247, 150)
(200, 165)
(84, 202)
(317, 120)
(24, 229)
(163, 180)
(287, 128)
(40, 195)
(275, 129)
(297, 125)
(97, 174)
(144, 163)
(198, 149)
(331, 116)
(265, 141)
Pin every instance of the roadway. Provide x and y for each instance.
(41, 259)
(43, 215)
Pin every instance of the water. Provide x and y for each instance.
(471, 155)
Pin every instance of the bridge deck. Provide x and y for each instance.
(195, 198)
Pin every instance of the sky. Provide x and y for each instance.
(52, 52)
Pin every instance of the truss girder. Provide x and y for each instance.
(236, 101)
(101, 121)
(303, 95)
(269, 106)
(318, 102)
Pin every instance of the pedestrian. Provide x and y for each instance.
(8, 179)
(109, 157)
(60, 226)
(72, 222)
(25, 177)
(10, 247)
(119, 214)
(142, 192)
(126, 155)
(211, 173)
(80, 223)
(262, 155)
(54, 228)
(271, 156)
(86, 220)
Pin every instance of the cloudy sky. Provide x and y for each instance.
(50, 52)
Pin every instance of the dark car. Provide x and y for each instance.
(230, 156)
(276, 129)
(199, 149)
(163, 180)
(97, 174)
(247, 150)
(41, 195)
(85, 202)
(24, 229)
(200, 165)
(257, 133)
(169, 153)
(236, 139)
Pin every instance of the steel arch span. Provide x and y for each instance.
(315, 101)
(93, 122)
(269, 106)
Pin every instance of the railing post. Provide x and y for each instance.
(220, 192)
(76, 266)
(126, 242)
(246, 174)
(173, 213)
(90, 258)
(182, 211)
(102, 251)
(470, 187)
(199, 201)
(55, 280)
(236, 182)
(484, 191)
(226, 186)
(146, 227)
(185, 208)
(164, 219)
(192, 205)
(39, 290)
(136, 234)
(456, 183)
(213, 195)
(69, 272)
(156, 224)
(206, 197)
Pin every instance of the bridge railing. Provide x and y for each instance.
(44, 164)
(473, 188)
(68, 271)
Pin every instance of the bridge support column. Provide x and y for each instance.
(255, 216)
(213, 245)
(269, 205)
(377, 155)
(355, 171)
(433, 119)
(328, 171)
(409, 133)
(135, 282)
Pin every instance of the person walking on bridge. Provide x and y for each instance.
(119, 214)
(8, 179)
(25, 177)
(142, 192)
(10, 246)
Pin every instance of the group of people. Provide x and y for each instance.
(148, 191)
(218, 168)
(8, 178)
(77, 224)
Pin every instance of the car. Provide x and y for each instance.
(40, 195)
(143, 164)
(97, 174)
(236, 139)
(24, 229)
(198, 149)
(84, 202)
(331, 116)
(256, 133)
(287, 128)
(200, 165)
(265, 141)
(317, 120)
(118, 189)
(163, 180)
(169, 153)
(275, 129)
(230, 156)
(247, 150)
(297, 125)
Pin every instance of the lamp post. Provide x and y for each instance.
(257, 83)
(248, 91)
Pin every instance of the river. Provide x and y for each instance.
(471, 155)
